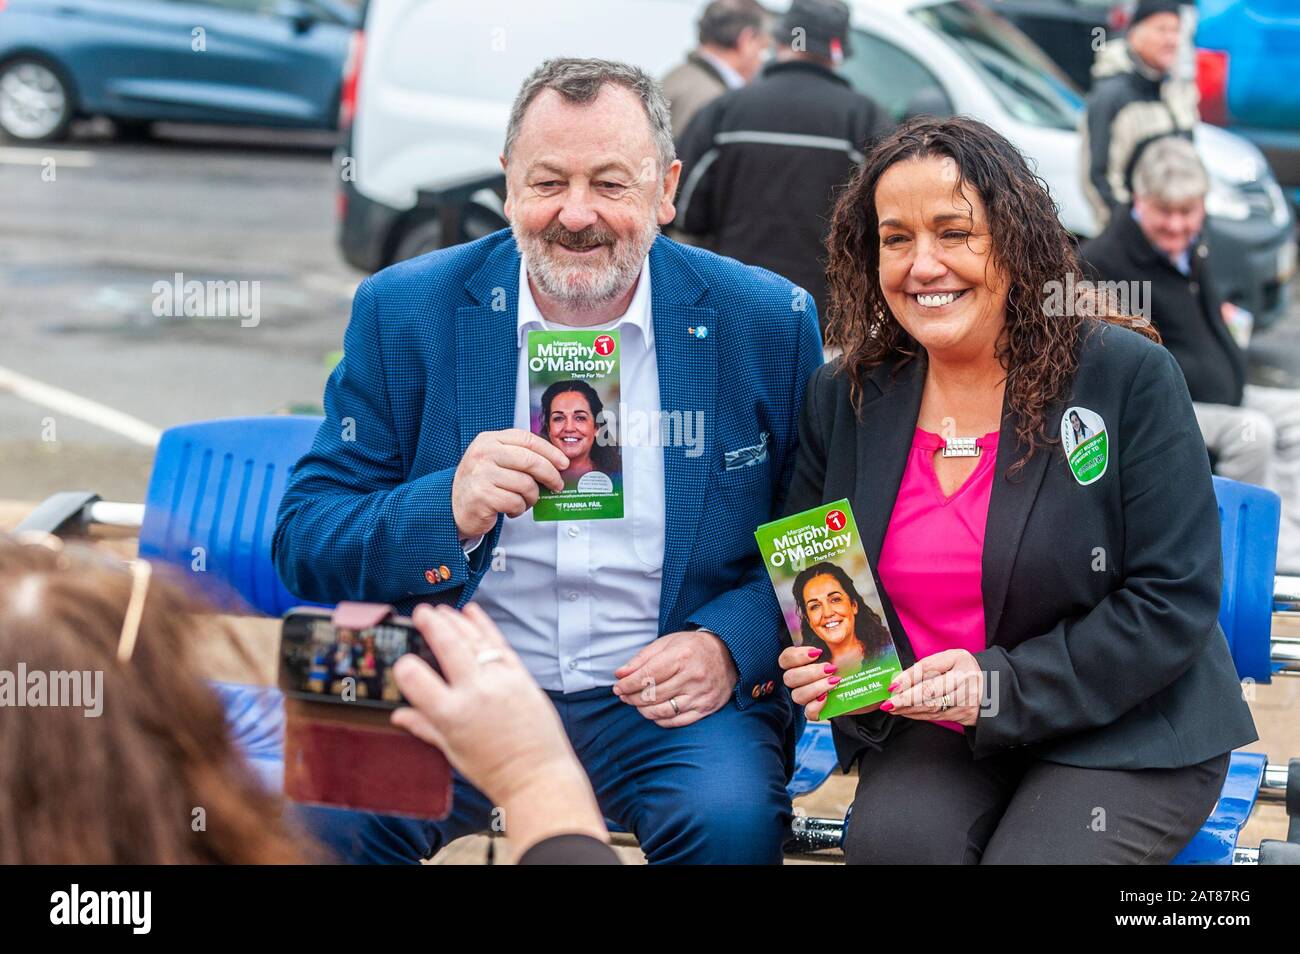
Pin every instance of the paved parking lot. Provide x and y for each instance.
(79, 259)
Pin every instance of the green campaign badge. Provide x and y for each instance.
(1087, 449)
(573, 399)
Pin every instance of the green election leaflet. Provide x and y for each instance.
(829, 600)
(572, 380)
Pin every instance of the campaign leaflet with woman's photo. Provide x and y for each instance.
(573, 397)
(829, 600)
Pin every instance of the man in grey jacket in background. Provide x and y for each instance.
(734, 40)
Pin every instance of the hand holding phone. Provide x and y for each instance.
(340, 750)
(495, 724)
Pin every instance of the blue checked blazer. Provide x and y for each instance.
(429, 362)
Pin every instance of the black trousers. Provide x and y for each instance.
(924, 800)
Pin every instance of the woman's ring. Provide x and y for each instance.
(488, 656)
(676, 709)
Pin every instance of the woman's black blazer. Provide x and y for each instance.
(1100, 601)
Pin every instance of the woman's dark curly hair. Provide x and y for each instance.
(1037, 350)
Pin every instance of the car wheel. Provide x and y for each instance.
(35, 101)
(426, 235)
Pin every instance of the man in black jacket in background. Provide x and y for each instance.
(761, 165)
(1135, 99)
(1252, 432)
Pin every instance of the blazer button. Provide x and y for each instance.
(769, 688)
(758, 691)
(430, 576)
(444, 572)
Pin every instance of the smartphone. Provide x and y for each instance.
(321, 661)
(341, 750)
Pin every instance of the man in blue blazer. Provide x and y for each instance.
(655, 634)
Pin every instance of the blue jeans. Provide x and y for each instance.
(712, 792)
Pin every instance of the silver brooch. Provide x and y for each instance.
(960, 447)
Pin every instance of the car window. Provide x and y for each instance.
(1023, 79)
(321, 12)
(891, 77)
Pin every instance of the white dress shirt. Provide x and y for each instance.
(729, 75)
(578, 598)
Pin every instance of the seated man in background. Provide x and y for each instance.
(656, 634)
(1252, 432)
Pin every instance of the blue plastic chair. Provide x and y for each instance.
(216, 485)
(1249, 518)
(814, 758)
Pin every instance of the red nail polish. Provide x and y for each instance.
(893, 687)
(886, 706)
(822, 697)
(832, 680)
(814, 653)
(829, 668)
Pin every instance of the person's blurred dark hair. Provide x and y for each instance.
(125, 785)
(723, 21)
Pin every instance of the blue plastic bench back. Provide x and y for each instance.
(1216, 842)
(814, 757)
(216, 485)
(1248, 519)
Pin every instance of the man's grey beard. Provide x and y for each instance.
(582, 286)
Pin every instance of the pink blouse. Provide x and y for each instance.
(931, 560)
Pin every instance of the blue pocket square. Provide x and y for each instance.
(747, 456)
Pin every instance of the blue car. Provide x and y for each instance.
(246, 62)
(1248, 71)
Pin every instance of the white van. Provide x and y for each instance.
(429, 85)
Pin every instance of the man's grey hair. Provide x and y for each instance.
(580, 81)
(1169, 170)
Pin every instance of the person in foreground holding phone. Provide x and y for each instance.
(499, 730)
(1068, 695)
(107, 764)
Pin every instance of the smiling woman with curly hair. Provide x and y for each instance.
(1054, 601)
